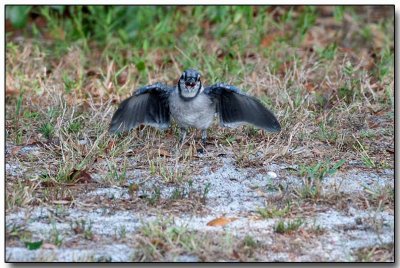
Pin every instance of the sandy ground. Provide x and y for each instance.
(232, 192)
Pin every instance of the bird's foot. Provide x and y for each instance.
(200, 151)
(203, 141)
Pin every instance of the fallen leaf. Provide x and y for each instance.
(47, 183)
(235, 254)
(16, 150)
(11, 91)
(80, 176)
(78, 229)
(163, 152)
(110, 146)
(123, 78)
(310, 87)
(49, 246)
(60, 202)
(157, 242)
(270, 38)
(373, 125)
(92, 72)
(221, 221)
(316, 151)
(133, 187)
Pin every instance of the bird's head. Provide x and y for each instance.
(189, 84)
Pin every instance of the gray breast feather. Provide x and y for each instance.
(198, 112)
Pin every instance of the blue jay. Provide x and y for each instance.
(191, 104)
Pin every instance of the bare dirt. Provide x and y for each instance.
(351, 224)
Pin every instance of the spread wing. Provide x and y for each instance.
(148, 106)
(235, 108)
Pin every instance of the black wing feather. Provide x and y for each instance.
(235, 108)
(148, 106)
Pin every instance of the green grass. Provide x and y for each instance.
(320, 170)
(313, 176)
(47, 129)
(116, 173)
(273, 212)
(55, 237)
(74, 127)
(290, 226)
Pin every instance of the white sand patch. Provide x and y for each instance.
(233, 192)
(115, 253)
(111, 193)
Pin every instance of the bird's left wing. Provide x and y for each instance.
(235, 108)
(148, 106)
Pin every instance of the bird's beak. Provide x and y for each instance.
(191, 82)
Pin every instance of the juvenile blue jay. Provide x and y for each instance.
(191, 104)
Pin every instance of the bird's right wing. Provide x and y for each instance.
(235, 108)
(148, 106)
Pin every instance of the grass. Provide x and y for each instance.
(290, 226)
(84, 228)
(158, 236)
(120, 233)
(273, 212)
(331, 87)
(163, 240)
(47, 129)
(313, 176)
(380, 196)
(382, 253)
(18, 232)
(116, 173)
(19, 195)
(185, 194)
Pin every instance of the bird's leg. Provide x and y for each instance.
(203, 141)
(183, 134)
(204, 136)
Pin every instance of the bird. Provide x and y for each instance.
(190, 104)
